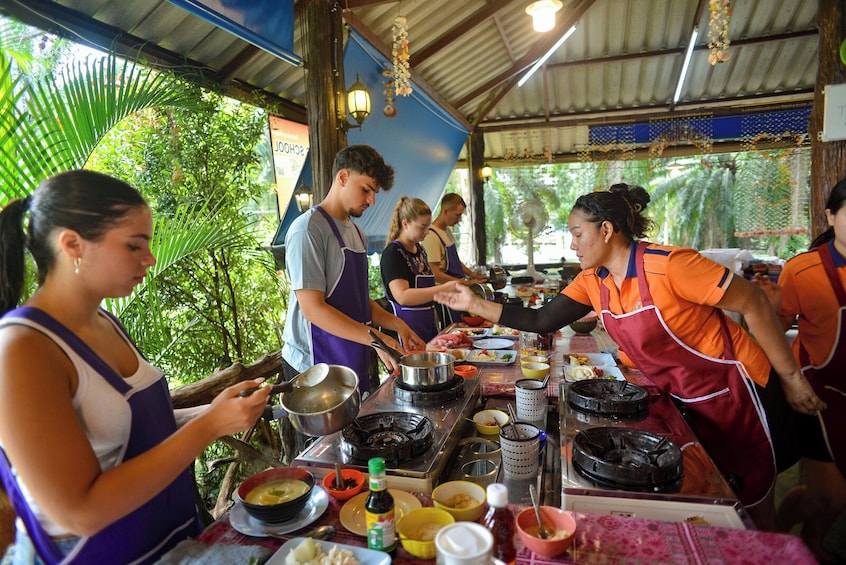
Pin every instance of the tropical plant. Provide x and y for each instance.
(693, 206)
(52, 123)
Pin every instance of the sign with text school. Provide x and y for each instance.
(289, 143)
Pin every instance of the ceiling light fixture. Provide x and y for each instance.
(546, 56)
(686, 65)
(543, 14)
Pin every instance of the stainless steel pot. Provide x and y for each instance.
(320, 401)
(421, 370)
(497, 277)
(483, 291)
(426, 369)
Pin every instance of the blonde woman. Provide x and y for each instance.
(406, 274)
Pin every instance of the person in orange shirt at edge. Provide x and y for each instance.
(811, 291)
(663, 306)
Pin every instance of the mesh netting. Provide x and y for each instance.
(684, 130)
(775, 202)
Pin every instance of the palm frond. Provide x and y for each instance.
(59, 119)
(190, 230)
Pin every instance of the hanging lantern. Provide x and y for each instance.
(358, 101)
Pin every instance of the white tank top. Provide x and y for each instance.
(103, 411)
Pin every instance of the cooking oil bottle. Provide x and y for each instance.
(379, 510)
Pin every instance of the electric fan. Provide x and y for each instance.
(527, 220)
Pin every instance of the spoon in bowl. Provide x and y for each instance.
(542, 533)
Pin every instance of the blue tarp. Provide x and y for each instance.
(717, 128)
(267, 24)
(422, 142)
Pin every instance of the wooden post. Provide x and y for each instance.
(828, 159)
(475, 162)
(324, 42)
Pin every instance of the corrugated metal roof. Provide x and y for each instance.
(622, 62)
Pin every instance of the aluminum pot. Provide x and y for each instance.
(319, 401)
(421, 370)
(426, 369)
(483, 291)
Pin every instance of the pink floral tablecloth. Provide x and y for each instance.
(608, 540)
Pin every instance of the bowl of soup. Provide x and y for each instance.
(276, 495)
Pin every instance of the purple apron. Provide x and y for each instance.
(152, 530)
(725, 412)
(420, 318)
(454, 269)
(351, 295)
(829, 379)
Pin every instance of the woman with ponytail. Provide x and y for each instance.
(663, 306)
(406, 274)
(91, 457)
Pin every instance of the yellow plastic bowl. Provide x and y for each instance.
(417, 530)
(452, 491)
(535, 371)
(534, 359)
(483, 419)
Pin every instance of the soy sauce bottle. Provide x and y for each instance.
(500, 521)
(379, 510)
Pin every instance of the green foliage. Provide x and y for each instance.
(52, 122)
(693, 208)
(199, 169)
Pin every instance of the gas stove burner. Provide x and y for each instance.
(628, 459)
(394, 436)
(429, 395)
(601, 396)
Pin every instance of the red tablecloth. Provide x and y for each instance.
(599, 539)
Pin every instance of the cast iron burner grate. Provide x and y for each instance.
(600, 396)
(395, 436)
(430, 394)
(628, 459)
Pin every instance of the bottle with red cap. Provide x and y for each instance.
(500, 521)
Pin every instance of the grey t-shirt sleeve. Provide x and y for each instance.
(306, 253)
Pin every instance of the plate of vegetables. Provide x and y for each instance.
(491, 357)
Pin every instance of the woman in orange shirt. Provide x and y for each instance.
(663, 306)
(811, 291)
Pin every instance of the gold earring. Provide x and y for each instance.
(76, 263)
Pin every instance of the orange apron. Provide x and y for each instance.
(827, 379)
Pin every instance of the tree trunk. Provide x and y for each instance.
(204, 391)
(475, 162)
(828, 158)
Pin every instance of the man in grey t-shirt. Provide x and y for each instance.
(330, 310)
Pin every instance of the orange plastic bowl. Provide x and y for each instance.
(353, 478)
(553, 518)
(466, 371)
(473, 320)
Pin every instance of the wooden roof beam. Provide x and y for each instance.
(538, 50)
(461, 28)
